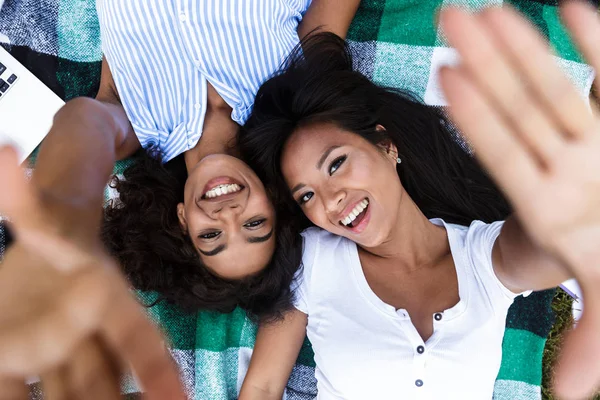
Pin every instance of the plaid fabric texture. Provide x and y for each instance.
(396, 43)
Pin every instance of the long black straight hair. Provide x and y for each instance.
(318, 85)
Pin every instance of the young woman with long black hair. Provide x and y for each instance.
(415, 256)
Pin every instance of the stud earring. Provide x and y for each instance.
(398, 160)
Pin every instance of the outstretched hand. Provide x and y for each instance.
(66, 313)
(540, 140)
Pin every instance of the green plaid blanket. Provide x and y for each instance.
(395, 42)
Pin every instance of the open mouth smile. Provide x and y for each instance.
(356, 220)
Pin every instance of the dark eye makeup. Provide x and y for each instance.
(336, 164)
(305, 197)
(209, 235)
(333, 167)
(255, 224)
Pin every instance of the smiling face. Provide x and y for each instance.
(228, 216)
(343, 183)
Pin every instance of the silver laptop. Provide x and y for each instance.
(27, 106)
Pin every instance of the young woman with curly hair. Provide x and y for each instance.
(193, 222)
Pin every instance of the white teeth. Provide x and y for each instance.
(360, 207)
(221, 190)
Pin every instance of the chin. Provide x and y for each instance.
(372, 241)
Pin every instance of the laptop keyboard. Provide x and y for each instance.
(7, 80)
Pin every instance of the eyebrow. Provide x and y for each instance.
(297, 187)
(260, 239)
(325, 155)
(318, 166)
(254, 239)
(214, 252)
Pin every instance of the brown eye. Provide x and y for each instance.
(255, 224)
(209, 235)
(305, 197)
(336, 164)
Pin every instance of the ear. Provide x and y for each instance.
(389, 148)
(380, 128)
(181, 216)
(392, 152)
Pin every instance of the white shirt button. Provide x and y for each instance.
(197, 106)
(182, 17)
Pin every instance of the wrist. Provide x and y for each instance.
(580, 251)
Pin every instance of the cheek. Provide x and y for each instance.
(317, 215)
(261, 204)
(371, 171)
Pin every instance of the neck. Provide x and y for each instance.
(218, 133)
(415, 241)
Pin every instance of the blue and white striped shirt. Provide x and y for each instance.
(162, 53)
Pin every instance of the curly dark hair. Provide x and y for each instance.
(142, 231)
(319, 85)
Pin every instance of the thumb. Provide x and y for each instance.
(19, 203)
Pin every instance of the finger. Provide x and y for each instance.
(47, 340)
(92, 372)
(14, 198)
(578, 369)
(59, 253)
(131, 334)
(499, 80)
(529, 51)
(500, 152)
(13, 389)
(54, 384)
(18, 201)
(584, 24)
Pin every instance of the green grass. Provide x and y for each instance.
(561, 305)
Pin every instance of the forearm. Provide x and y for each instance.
(250, 392)
(329, 15)
(523, 265)
(74, 164)
(275, 353)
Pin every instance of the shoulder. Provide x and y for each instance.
(316, 235)
(316, 239)
(482, 235)
(322, 253)
(320, 245)
(476, 243)
(478, 236)
(473, 245)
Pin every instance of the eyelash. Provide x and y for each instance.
(255, 224)
(333, 167)
(301, 200)
(249, 225)
(210, 235)
(337, 163)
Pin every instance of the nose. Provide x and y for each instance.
(333, 200)
(226, 210)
